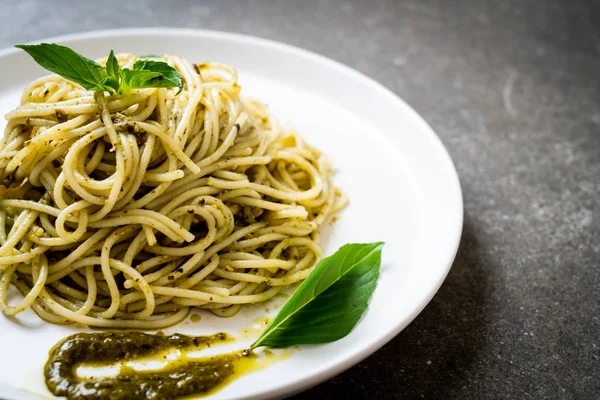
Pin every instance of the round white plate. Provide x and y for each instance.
(402, 186)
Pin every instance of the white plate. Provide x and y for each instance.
(402, 186)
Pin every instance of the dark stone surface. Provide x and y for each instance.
(512, 88)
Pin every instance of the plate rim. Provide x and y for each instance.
(313, 378)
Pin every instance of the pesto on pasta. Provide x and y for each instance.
(125, 210)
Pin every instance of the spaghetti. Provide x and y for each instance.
(126, 211)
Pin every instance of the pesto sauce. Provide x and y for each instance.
(175, 380)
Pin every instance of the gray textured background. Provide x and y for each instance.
(512, 89)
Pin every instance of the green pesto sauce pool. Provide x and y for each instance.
(183, 377)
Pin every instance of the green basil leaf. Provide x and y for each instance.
(172, 78)
(67, 63)
(112, 66)
(111, 84)
(329, 303)
(131, 79)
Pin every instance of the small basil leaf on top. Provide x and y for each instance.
(67, 63)
(110, 84)
(329, 303)
(131, 79)
(112, 66)
(172, 78)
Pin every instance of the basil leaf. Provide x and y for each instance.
(329, 303)
(172, 78)
(131, 79)
(67, 63)
(113, 79)
(110, 84)
(112, 66)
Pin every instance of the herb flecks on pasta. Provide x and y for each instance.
(125, 210)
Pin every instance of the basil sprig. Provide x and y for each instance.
(90, 75)
(329, 303)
